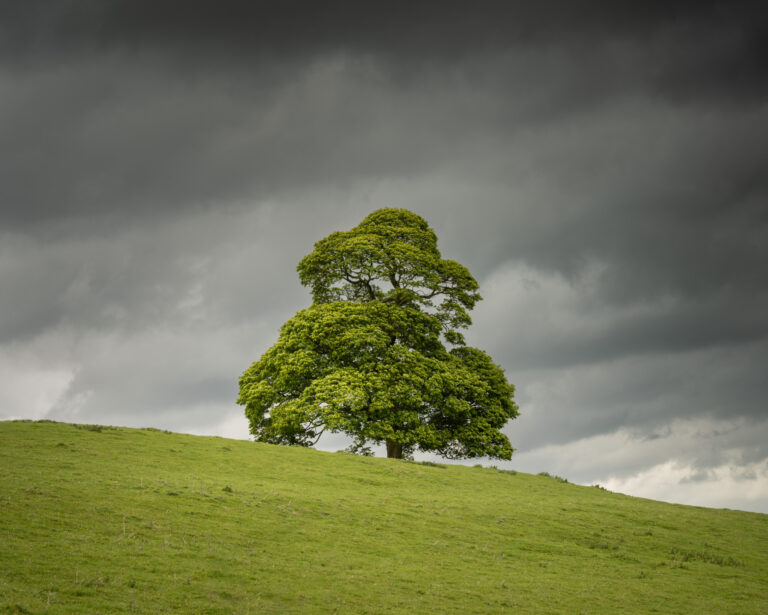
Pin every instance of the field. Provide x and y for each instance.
(114, 520)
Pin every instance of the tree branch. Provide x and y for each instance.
(322, 431)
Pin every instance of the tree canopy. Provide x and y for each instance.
(391, 256)
(368, 358)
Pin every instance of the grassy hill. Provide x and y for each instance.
(114, 520)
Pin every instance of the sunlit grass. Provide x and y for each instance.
(115, 520)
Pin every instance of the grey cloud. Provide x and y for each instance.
(431, 28)
(159, 376)
(674, 198)
(673, 201)
(745, 475)
(143, 148)
(102, 284)
(124, 115)
(703, 447)
(531, 319)
(202, 270)
(122, 146)
(643, 395)
(697, 477)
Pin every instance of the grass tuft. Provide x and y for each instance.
(557, 478)
(682, 555)
(96, 428)
(431, 464)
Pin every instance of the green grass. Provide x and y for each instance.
(114, 520)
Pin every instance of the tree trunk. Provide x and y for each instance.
(394, 450)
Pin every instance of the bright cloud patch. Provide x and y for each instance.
(727, 486)
(30, 390)
(707, 462)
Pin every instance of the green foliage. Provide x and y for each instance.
(391, 256)
(91, 528)
(367, 358)
(377, 371)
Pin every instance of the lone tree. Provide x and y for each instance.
(369, 357)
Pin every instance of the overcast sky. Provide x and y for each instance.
(602, 173)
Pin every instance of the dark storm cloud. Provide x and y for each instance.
(688, 51)
(432, 30)
(132, 109)
(133, 145)
(679, 201)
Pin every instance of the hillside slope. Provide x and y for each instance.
(116, 520)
